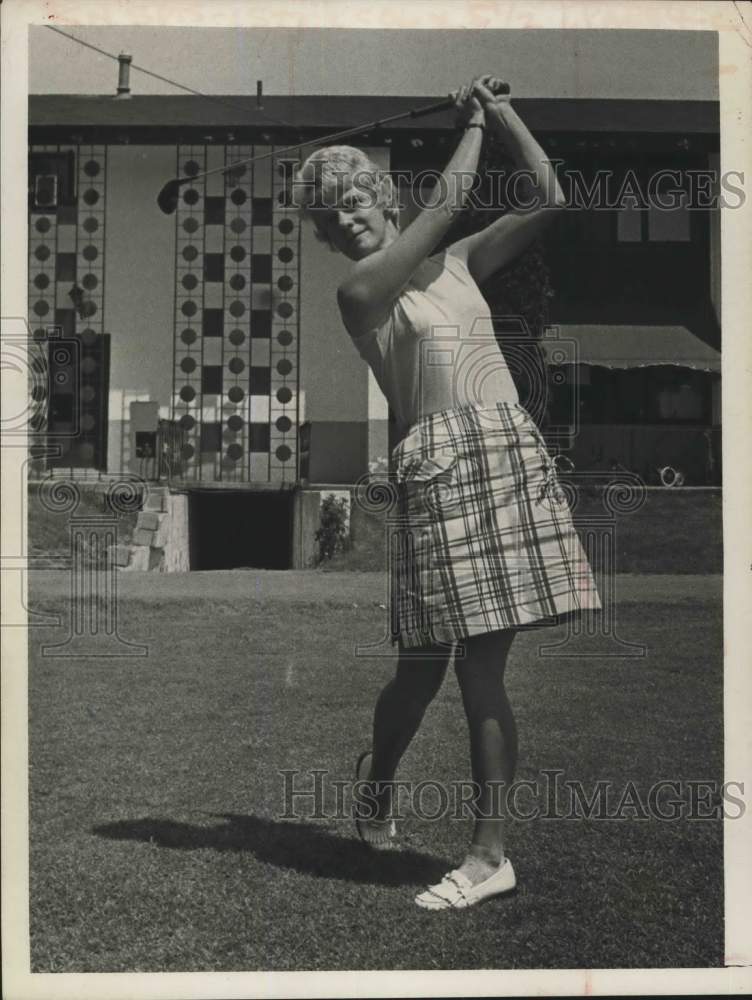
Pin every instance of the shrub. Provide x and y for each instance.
(332, 532)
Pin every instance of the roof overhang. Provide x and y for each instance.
(630, 347)
(554, 114)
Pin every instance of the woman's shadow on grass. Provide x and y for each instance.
(304, 847)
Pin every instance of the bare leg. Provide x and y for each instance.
(493, 742)
(399, 712)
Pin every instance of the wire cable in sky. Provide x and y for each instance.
(172, 83)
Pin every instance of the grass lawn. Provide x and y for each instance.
(674, 531)
(49, 527)
(156, 838)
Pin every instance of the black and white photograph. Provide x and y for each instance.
(376, 553)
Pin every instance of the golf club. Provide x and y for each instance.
(167, 199)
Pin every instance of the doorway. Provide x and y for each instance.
(240, 530)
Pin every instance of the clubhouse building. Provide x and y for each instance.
(204, 349)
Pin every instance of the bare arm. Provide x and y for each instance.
(368, 292)
(498, 244)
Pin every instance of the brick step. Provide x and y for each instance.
(151, 536)
(157, 500)
(143, 536)
(121, 555)
(148, 520)
(139, 558)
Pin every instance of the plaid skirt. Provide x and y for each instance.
(483, 537)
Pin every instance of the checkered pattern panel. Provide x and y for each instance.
(236, 371)
(92, 171)
(283, 360)
(236, 374)
(89, 237)
(261, 324)
(66, 299)
(189, 300)
(42, 268)
(42, 288)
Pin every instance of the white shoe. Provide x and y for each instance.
(456, 891)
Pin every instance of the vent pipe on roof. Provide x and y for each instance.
(124, 89)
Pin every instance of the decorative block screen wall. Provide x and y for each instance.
(42, 296)
(236, 318)
(66, 299)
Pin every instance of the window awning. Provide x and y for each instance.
(631, 347)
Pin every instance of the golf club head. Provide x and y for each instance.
(167, 199)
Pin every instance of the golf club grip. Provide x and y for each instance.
(446, 105)
(431, 109)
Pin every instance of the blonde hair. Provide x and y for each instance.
(330, 171)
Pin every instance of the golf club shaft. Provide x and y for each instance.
(353, 130)
(167, 198)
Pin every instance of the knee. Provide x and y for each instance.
(480, 680)
(483, 658)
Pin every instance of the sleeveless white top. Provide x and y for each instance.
(436, 349)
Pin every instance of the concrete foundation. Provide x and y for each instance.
(162, 537)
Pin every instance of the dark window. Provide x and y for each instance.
(259, 440)
(211, 436)
(662, 216)
(261, 211)
(213, 323)
(260, 381)
(214, 209)
(65, 267)
(261, 268)
(626, 199)
(261, 323)
(67, 215)
(60, 167)
(65, 319)
(211, 379)
(214, 267)
(146, 444)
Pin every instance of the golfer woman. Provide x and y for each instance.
(490, 544)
